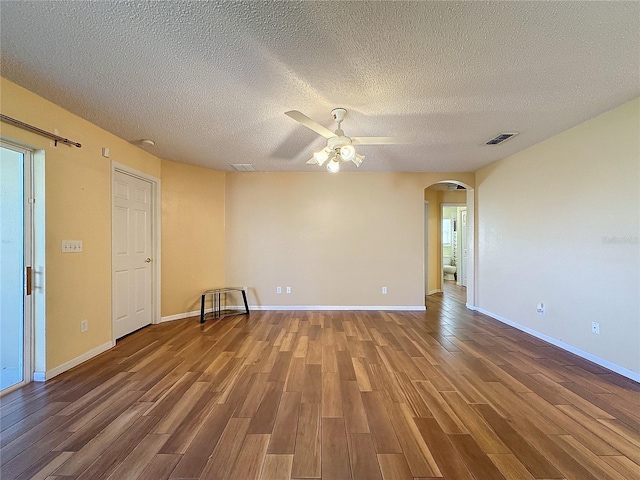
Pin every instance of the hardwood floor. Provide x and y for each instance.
(446, 393)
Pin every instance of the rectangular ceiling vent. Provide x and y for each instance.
(243, 167)
(503, 137)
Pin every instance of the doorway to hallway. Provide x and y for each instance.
(455, 193)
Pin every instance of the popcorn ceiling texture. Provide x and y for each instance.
(210, 81)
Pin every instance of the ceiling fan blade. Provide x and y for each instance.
(312, 161)
(381, 140)
(310, 124)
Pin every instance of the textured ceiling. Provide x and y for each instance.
(210, 81)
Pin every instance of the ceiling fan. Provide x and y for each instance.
(339, 146)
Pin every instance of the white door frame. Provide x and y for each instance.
(156, 210)
(426, 248)
(471, 249)
(462, 275)
(442, 207)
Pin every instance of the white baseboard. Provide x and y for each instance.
(339, 307)
(625, 372)
(74, 362)
(180, 316)
(635, 376)
(240, 309)
(432, 292)
(195, 313)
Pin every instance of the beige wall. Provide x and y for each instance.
(335, 239)
(78, 207)
(192, 235)
(567, 236)
(456, 196)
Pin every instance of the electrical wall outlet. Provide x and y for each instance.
(288, 289)
(84, 325)
(540, 308)
(278, 289)
(384, 290)
(595, 328)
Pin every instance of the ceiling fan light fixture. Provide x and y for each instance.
(339, 146)
(347, 153)
(321, 157)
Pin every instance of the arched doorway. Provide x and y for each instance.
(448, 192)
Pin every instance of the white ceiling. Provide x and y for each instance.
(210, 81)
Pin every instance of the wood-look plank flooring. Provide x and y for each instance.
(446, 393)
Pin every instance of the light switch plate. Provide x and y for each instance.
(71, 246)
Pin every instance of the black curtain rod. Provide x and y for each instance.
(39, 131)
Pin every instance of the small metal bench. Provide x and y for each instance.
(217, 308)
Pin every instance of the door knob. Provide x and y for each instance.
(148, 260)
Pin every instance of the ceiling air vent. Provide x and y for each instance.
(243, 167)
(501, 138)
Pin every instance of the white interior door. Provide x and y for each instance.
(132, 254)
(462, 277)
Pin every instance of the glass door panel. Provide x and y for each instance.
(12, 268)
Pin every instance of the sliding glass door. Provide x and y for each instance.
(15, 266)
